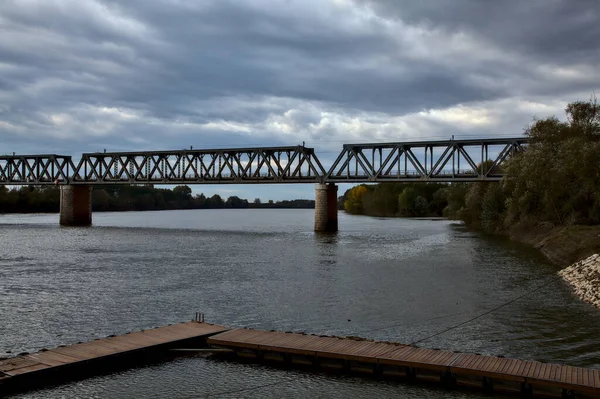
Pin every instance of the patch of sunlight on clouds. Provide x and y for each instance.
(571, 74)
(225, 126)
(342, 3)
(535, 108)
(461, 115)
(129, 114)
(60, 119)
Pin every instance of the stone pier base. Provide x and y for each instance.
(76, 206)
(326, 214)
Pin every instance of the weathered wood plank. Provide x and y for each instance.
(28, 369)
(16, 363)
(51, 359)
(540, 374)
(386, 354)
(27, 366)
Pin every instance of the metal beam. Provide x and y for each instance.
(440, 161)
(434, 161)
(35, 169)
(295, 164)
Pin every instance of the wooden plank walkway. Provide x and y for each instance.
(28, 368)
(455, 368)
(380, 358)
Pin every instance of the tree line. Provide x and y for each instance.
(46, 199)
(395, 199)
(555, 182)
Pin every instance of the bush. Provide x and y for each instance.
(556, 181)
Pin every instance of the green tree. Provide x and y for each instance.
(183, 193)
(146, 202)
(199, 201)
(406, 202)
(492, 208)
(381, 199)
(455, 195)
(215, 202)
(584, 117)
(100, 200)
(412, 203)
(236, 202)
(556, 181)
(421, 206)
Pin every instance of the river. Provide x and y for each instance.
(389, 279)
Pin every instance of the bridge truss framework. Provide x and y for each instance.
(435, 161)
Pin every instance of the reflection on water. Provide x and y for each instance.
(391, 279)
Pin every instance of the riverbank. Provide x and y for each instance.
(575, 249)
(584, 276)
(563, 246)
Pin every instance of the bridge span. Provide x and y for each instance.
(469, 160)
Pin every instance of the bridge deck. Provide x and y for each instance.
(28, 368)
(467, 369)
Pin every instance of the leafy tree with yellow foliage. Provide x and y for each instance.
(354, 203)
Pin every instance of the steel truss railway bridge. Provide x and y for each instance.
(473, 160)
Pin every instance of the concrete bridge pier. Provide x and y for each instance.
(76, 205)
(326, 214)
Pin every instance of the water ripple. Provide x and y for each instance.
(392, 279)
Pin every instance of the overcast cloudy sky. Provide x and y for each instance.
(85, 75)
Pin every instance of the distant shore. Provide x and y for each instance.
(159, 210)
(46, 199)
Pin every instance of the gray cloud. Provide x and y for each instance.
(554, 30)
(81, 75)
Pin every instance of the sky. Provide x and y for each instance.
(87, 75)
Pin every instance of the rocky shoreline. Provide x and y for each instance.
(568, 245)
(584, 277)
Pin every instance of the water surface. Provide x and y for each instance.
(391, 279)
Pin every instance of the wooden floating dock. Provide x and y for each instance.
(379, 359)
(382, 359)
(67, 362)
